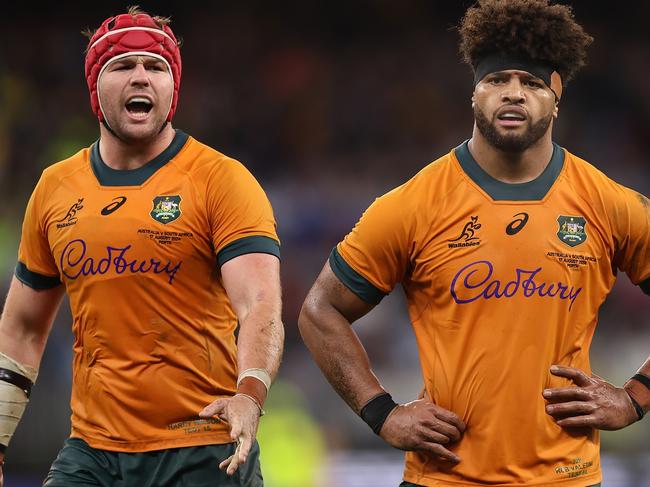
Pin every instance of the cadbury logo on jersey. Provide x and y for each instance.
(474, 282)
(74, 263)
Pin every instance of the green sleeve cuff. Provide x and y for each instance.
(354, 281)
(645, 286)
(248, 245)
(35, 280)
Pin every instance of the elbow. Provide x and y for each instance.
(307, 319)
(304, 319)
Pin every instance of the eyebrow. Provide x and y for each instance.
(522, 74)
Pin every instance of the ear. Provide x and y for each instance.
(556, 108)
(473, 100)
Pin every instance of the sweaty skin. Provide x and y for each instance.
(513, 151)
(593, 402)
(139, 138)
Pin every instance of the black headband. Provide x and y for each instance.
(503, 62)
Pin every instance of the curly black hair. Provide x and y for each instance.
(532, 29)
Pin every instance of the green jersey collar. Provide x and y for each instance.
(534, 190)
(134, 177)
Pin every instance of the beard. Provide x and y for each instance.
(135, 135)
(511, 142)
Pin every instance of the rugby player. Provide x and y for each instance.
(168, 252)
(505, 247)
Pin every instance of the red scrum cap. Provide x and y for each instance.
(127, 35)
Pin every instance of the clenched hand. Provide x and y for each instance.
(422, 425)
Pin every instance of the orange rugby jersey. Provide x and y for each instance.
(139, 253)
(502, 281)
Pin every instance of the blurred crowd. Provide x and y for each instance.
(329, 104)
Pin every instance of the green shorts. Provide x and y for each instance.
(79, 465)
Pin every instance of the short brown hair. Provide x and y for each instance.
(531, 29)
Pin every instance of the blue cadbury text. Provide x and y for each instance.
(474, 282)
(74, 262)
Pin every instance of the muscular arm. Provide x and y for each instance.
(252, 282)
(26, 322)
(324, 323)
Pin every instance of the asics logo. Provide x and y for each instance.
(117, 202)
(517, 224)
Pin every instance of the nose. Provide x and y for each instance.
(513, 92)
(139, 75)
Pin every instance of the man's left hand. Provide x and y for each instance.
(594, 403)
(243, 415)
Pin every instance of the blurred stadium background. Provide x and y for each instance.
(329, 104)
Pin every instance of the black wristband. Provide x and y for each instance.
(16, 379)
(375, 412)
(637, 407)
(642, 379)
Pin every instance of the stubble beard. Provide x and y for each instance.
(508, 142)
(137, 134)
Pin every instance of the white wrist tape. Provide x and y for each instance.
(260, 374)
(13, 399)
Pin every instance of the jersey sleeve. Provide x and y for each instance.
(36, 266)
(631, 222)
(241, 217)
(374, 257)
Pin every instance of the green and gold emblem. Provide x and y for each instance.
(572, 230)
(166, 209)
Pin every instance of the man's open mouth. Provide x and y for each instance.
(514, 116)
(138, 105)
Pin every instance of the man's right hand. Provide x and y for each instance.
(422, 425)
(243, 415)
